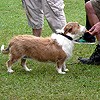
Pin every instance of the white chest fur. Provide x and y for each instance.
(67, 45)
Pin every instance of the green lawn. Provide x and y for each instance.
(82, 82)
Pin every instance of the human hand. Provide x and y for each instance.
(95, 29)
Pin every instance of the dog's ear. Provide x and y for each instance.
(68, 28)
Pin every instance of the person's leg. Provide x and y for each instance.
(37, 32)
(93, 19)
(34, 15)
(88, 26)
(54, 13)
(87, 38)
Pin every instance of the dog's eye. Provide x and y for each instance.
(78, 25)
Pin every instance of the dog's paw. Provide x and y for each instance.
(59, 70)
(66, 70)
(28, 70)
(62, 72)
(10, 71)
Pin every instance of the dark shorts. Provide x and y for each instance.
(96, 6)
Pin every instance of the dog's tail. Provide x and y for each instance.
(4, 51)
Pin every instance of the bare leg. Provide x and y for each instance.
(23, 64)
(37, 32)
(93, 19)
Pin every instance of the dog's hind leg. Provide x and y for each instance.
(9, 64)
(13, 58)
(23, 64)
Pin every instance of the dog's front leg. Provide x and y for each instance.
(59, 68)
(64, 67)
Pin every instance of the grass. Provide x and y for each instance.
(82, 82)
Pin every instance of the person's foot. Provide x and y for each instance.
(81, 40)
(94, 58)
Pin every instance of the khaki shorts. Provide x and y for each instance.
(53, 10)
(96, 6)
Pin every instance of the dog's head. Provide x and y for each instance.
(74, 29)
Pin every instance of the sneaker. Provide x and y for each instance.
(94, 58)
(81, 40)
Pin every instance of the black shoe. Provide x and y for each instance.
(88, 37)
(94, 58)
(81, 40)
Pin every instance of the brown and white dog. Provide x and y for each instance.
(57, 48)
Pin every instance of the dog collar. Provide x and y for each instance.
(68, 37)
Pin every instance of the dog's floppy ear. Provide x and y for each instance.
(68, 28)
